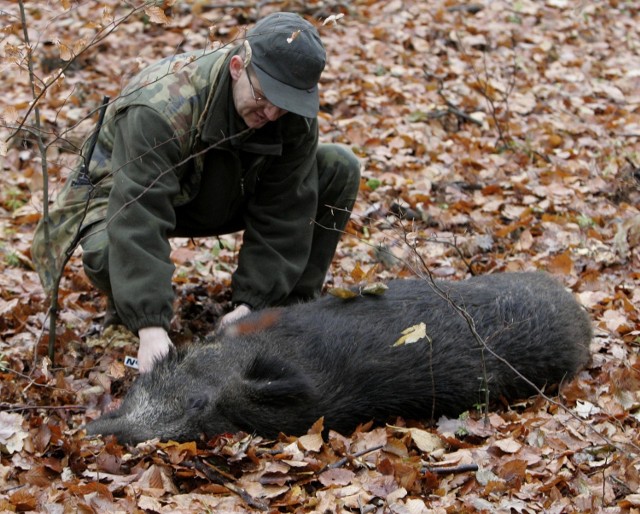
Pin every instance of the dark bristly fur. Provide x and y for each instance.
(336, 358)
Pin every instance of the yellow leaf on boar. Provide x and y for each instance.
(342, 292)
(413, 335)
(376, 288)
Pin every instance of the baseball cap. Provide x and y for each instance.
(288, 58)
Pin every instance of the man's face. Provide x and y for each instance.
(249, 100)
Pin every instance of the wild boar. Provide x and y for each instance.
(281, 369)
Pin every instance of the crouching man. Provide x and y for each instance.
(202, 144)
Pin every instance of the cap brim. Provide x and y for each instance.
(304, 102)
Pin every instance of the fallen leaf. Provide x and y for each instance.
(333, 18)
(311, 442)
(156, 15)
(337, 476)
(413, 334)
(375, 289)
(425, 441)
(342, 292)
(508, 445)
(12, 435)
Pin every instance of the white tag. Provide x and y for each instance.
(131, 362)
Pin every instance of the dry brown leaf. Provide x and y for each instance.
(156, 481)
(508, 445)
(561, 264)
(311, 442)
(156, 14)
(12, 435)
(336, 476)
(425, 441)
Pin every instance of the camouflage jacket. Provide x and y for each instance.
(171, 138)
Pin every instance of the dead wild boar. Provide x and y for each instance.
(279, 370)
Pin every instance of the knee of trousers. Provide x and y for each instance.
(95, 259)
(338, 173)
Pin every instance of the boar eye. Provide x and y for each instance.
(198, 402)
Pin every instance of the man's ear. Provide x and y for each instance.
(236, 66)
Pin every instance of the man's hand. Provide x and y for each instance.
(154, 344)
(236, 314)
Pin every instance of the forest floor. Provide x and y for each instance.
(494, 136)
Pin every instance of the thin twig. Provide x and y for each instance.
(98, 38)
(348, 458)
(451, 107)
(464, 468)
(216, 476)
(9, 407)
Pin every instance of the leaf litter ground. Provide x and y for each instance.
(494, 136)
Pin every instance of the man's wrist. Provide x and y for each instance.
(152, 331)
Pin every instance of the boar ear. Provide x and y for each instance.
(268, 397)
(276, 382)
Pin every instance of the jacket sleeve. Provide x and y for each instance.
(140, 217)
(279, 225)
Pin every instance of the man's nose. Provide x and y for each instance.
(272, 112)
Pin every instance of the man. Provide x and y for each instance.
(202, 144)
